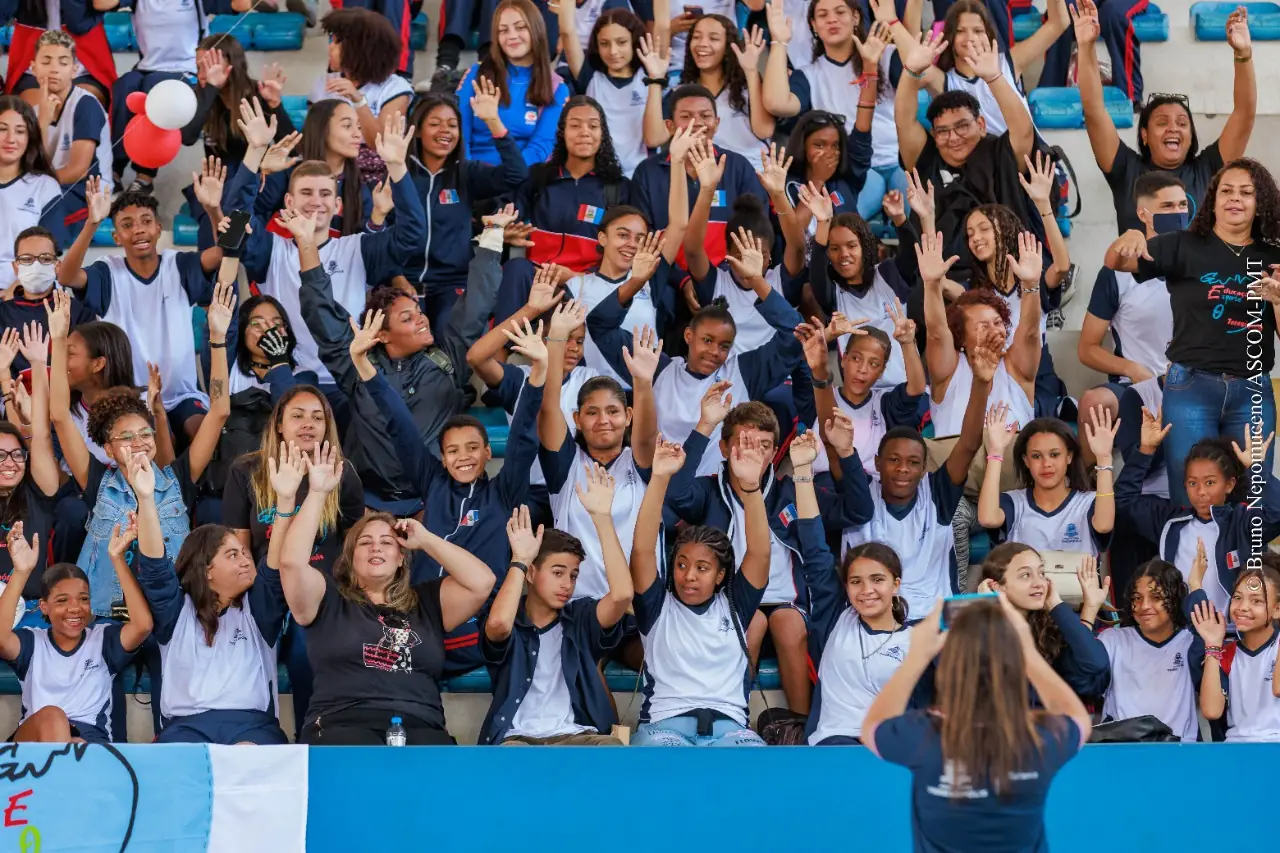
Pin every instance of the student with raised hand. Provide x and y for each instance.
(430, 375)
(604, 423)
(561, 700)
(913, 509)
(35, 270)
(693, 618)
(978, 318)
(828, 160)
(375, 640)
(1055, 510)
(224, 80)
(1213, 471)
(67, 670)
(29, 190)
(1009, 763)
(1154, 667)
(1064, 639)
(148, 292)
(449, 185)
(750, 235)
(358, 261)
(1167, 138)
(518, 63)
(1250, 695)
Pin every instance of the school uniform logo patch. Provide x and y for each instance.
(720, 199)
(448, 197)
(471, 519)
(238, 636)
(725, 625)
(334, 269)
(1177, 662)
(1072, 535)
(637, 99)
(30, 205)
(590, 213)
(1233, 560)
(787, 515)
(836, 199)
(90, 665)
(531, 117)
(894, 652)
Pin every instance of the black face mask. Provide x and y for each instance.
(1167, 223)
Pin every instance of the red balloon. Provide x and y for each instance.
(137, 103)
(149, 146)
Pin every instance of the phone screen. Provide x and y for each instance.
(234, 235)
(696, 11)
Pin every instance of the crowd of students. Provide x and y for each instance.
(741, 425)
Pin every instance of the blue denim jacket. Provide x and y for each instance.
(115, 501)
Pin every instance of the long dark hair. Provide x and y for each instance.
(626, 19)
(222, 123)
(13, 506)
(370, 44)
(315, 146)
(34, 160)
(542, 88)
(109, 341)
(1266, 216)
(425, 105)
(1170, 588)
(947, 59)
(606, 168)
(859, 29)
(197, 554)
(735, 79)
(244, 359)
(878, 552)
(1049, 640)
(1077, 478)
(988, 729)
(807, 125)
(1007, 226)
(591, 386)
(867, 242)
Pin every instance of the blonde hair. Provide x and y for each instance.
(260, 481)
(56, 38)
(400, 596)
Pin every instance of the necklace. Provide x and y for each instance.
(862, 649)
(1235, 250)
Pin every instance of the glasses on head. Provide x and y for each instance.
(961, 129)
(28, 260)
(147, 434)
(15, 455)
(1156, 98)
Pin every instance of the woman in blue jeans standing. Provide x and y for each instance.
(1223, 346)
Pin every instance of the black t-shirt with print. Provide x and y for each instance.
(37, 518)
(241, 512)
(1195, 173)
(1209, 291)
(373, 659)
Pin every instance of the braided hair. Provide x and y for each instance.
(735, 79)
(721, 547)
(1266, 217)
(606, 168)
(994, 274)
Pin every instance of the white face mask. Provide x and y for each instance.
(36, 279)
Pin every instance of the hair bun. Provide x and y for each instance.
(720, 302)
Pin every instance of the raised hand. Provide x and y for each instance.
(324, 470)
(933, 267)
(1152, 433)
(221, 310)
(302, 227)
(98, 200)
(527, 340)
(683, 140)
(1100, 432)
(749, 263)
(392, 143)
(277, 158)
(999, 431)
(543, 293)
(779, 23)
(141, 476)
(271, 84)
(645, 261)
(365, 336)
(920, 195)
(1253, 452)
(1093, 586)
(776, 165)
(747, 459)
(812, 337)
(668, 458)
(904, 328)
(22, 554)
(10, 345)
(35, 344)
(274, 344)
(709, 169)
(517, 234)
(343, 88)
(286, 471)
(214, 69)
(1199, 566)
(155, 389)
(568, 316)
(502, 217)
(645, 355)
(1209, 624)
(1030, 261)
(208, 183)
(1238, 33)
(873, 48)
(655, 64)
(411, 535)
(838, 432)
(817, 200)
(597, 497)
(984, 56)
(58, 312)
(841, 325)
(485, 99)
(716, 404)
(1038, 182)
(121, 538)
(917, 58)
(804, 449)
(524, 540)
(257, 131)
(1084, 16)
(749, 54)
(893, 205)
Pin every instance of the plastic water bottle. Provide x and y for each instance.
(395, 734)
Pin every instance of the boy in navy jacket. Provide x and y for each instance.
(543, 649)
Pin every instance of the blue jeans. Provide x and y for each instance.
(879, 182)
(1207, 405)
(683, 731)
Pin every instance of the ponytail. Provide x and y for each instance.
(899, 610)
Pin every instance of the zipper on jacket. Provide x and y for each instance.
(462, 512)
(426, 252)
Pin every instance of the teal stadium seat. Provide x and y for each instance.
(1210, 20)
(1056, 107)
(1118, 105)
(102, 234)
(418, 32)
(6, 35)
(119, 28)
(495, 424)
(1152, 25)
(261, 31)
(185, 230)
(1025, 23)
(296, 107)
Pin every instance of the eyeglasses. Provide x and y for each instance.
(962, 129)
(15, 455)
(144, 435)
(265, 325)
(28, 260)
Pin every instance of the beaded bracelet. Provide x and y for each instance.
(280, 514)
(1214, 652)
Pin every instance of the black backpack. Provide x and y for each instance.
(242, 433)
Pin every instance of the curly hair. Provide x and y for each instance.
(957, 313)
(1076, 476)
(606, 168)
(1266, 217)
(542, 88)
(995, 273)
(370, 44)
(626, 19)
(192, 566)
(1169, 587)
(111, 407)
(735, 79)
(56, 38)
(867, 242)
(219, 127)
(382, 297)
(34, 160)
(1048, 637)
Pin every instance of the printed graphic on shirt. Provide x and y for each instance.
(448, 196)
(471, 519)
(956, 783)
(787, 515)
(1177, 662)
(836, 199)
(531, 117)
(1226, 292)
(1072, 536)
(393, 653)
(333, 268)
(1233, 560)
(29, 206)
(590, 213)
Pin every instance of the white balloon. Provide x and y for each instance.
(171, 105)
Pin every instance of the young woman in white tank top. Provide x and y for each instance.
(980, 318)
(1055, 511)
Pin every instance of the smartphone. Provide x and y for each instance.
(234, 235)
(696, 11)
(952, 605)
